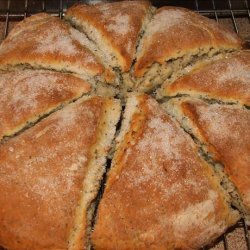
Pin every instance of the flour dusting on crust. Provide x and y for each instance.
(119, 24)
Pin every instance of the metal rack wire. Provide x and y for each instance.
(234, 13)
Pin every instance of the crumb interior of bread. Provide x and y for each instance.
(117, 132)
(181, 66)
(32, 121)
(173, 68)
(102, 48)
(80, 35)
(154, 77)
(56, 67)
(102, 89)
(99, 86)
(149, 16)
(122, 128)
(92, 182)
(90, 216)
(206, 98)
(81, 231)
(235, 200)
(131, 108)
(127, 83)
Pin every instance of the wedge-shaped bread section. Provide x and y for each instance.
(226, 79)
(43, 41)
(159, 194)
(28, 95)
(114, 27)
(50, 174)
(225, 131)
(176, 38)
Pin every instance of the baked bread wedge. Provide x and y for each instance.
(174, 39)
(50, 176)
(28, 95)
(115, 28)
(159, 193)
(224, 132)
(226, 79)
(49, 43)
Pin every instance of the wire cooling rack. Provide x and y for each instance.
(235, 14)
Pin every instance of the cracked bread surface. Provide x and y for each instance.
(195, 199)
(114, 27)
(27, 95)
(50, 171)
(48, 44)
(226, 79)
(174, 33)
(224, 130)
(159, 193)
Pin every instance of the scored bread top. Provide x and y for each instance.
(42, 173)
(174, 32)
(159, 193)
(226, 79)
(27, 95)
(114, 27)
(43, 41)
(226, 131)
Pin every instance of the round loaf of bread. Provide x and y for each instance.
(122, 126)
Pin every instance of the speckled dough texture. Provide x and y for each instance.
(44, 170)
(225, 130)
(159, 194)
(122, 126)
(29, 94)
(227, 79)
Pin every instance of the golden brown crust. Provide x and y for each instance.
(119, 24)
(41, 176)
(29, 94)
(226, 130)
(176, 31)
(159, 193)
(48, 44)
(227, 79)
